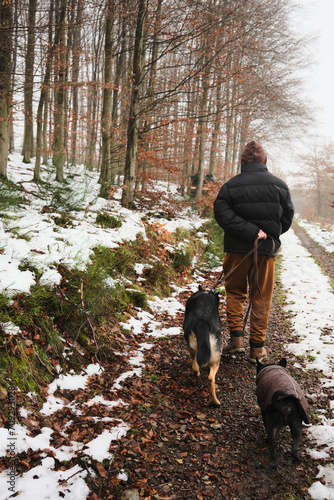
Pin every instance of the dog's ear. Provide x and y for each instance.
(199, 288)
(282, 363)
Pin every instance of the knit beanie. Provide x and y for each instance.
(253, 152)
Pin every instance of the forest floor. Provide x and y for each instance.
(180, 448)
(177, 447)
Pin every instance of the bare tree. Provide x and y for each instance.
(44, 95)
(29, 84)
(133, 126)
(105, 175)
(60, 93)
(6, 29)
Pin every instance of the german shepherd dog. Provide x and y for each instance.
(282, 402)
(202, 331)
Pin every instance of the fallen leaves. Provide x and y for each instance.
(101, 470)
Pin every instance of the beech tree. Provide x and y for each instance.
(6, 29)
(141, 90)
(133, 126)
(106, 174)
(318, 182)
(43, 100)
(29, 84)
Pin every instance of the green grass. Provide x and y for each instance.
(108, 221)
(214, 251)
(11, 195)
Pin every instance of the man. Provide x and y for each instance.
(253, 205)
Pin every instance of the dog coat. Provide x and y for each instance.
(274, 378)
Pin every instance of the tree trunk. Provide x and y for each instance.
(93, 101)
(202, 127)
(76, 45)
(29, 84)
(120, 69)
(60, 92)
(44, 97)
(6, 30)
(14, 61)
(133, 124)
(215, 133)
(46, 146)
(106, 170)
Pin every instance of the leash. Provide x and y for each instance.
(223, 277)
(254, 269)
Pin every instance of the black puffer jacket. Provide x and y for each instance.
(252, 200)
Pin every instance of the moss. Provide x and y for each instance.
(158, 277)
(182, 259)
(108, 221)
(114, 262)
(63, 220)
(24, 369)
(214, 251)
(138, 298)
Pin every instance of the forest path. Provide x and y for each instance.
(179, 448)
(325, 259)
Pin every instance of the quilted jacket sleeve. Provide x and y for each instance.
(229, 220)
(288, 212)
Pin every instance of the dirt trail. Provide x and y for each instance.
(179, 448)
(317, 251)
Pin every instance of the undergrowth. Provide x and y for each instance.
(82, 315)
(11, 195)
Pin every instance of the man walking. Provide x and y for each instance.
(253, 206)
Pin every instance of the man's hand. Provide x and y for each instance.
(261, 235)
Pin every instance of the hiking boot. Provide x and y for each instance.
(258, 352)
(235, 345)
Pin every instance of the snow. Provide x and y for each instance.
(98, 447)
(29, 235)
(43, 482)
(323, 236)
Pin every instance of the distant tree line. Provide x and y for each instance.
(146, 89)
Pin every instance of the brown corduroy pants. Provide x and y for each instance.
(260, 283)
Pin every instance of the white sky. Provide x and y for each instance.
(308, 290)
(318, 19)
(313, 18)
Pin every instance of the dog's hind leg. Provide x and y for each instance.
(213, 401)
(192, 346)
(194, 365)
(296, 432)
(273, 422)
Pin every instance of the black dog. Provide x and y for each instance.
(282, 402)
(202, 332)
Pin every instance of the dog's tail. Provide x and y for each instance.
(203, 343)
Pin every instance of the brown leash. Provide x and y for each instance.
(223, 277)
(253, 270)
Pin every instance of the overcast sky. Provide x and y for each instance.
(314, 18)
(318, 18)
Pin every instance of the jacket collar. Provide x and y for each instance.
(254, 166)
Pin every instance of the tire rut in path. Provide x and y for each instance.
(317, 251)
